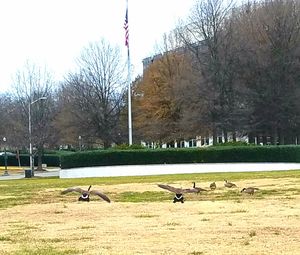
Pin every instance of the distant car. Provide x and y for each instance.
(8, 153)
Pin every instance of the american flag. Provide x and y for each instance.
(126, 29)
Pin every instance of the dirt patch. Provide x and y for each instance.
(250, 226)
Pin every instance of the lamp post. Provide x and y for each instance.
(5, 157)
(30, 132)
(79, 141)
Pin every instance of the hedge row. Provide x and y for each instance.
(50, 160)
(175, 156)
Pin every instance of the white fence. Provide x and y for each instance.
(139, 170)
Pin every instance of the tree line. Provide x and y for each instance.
(226, 70)
(229, 70)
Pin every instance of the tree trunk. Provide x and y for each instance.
(225, 136)
(106, 144)
(281, 138)
(215, 140)
(234, 136)
(264, 139)
(251, 137)
(274, 136)
(290, 139)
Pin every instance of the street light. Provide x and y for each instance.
(5, 157)
(29, 129)
(79, 141)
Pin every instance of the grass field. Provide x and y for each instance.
(36, 219)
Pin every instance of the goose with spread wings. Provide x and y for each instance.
(85, 194)
(178, 192)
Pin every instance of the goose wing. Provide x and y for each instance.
(200, 189)
(191, 190)
(170, 188)
(103, 196)
(72, 189)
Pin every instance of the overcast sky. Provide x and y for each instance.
(53, 32)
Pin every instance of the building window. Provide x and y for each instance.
(192, 143)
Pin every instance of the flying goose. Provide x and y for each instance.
(213, 186)
(229, 184)
(85, 194)
(178, 192)
(249, 190)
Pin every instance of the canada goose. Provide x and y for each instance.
(178, 192)
(249, 190)
(85, 194)
(213, 186)
(198, 189)
(229, 184)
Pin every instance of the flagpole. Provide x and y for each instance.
(129, 98)
(128, 80)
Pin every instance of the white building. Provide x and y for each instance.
(198, 141)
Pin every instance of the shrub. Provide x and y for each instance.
(238, 143)
(50, 160)
(176, 156)
(129, 147)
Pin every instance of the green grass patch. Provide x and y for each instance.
(205, 219)
(246, 242)
(146, 215)
(5, 239)
(147, 196)
(47, 190)
(172, 224)
(52, 240)
(196, 253)
(88, 227)
(49, 250)
(239, 211)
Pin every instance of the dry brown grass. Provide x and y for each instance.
(270, 225)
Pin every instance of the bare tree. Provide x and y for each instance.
(94, 93)
(30, 85)
(208, 35)
(7, 126)
(269, 56)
